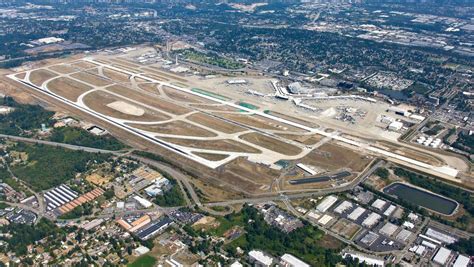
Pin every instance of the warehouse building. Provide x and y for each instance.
(288, 260)
(344, 206)
(442, 256)
(379, 204)
(389, 210)
(326, 203)
(388, 229)
(258, 258)
(356, 213)
(371, 220)
(143, 202)
(461, 261)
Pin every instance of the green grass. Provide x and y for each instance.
(226, 223)
(247, 105)
(143, 261)
(210, 94)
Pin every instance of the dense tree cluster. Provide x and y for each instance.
(51, 166)
(81, 137)
(23, 117)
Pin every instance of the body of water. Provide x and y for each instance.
(422, 198)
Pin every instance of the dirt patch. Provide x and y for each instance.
(252, 177)
(150, 87)
(183, 97)
(38, 77)
(91, 79)
(271, 144)
(116, 76)
(345, 228)
(126, 108)
(99, 100)
(332, 157)
(156, 77)
(211, 157)
(175, 128)
(21, 75)
(124, 62)
(150, 100)
(214, 107)
(212, 191)
(63, 68)
(303, 139)
(68, 88)
(215, 123)
(98, 179)
(219, 145)
(83, 65)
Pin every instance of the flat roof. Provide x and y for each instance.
(442, 256)
(326, 203)
(461, 261)
(356, 213)
(293, 261)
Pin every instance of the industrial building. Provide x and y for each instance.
(445, 238)
(288, 260)
(59, 196)
(326, 203)
(344, 206)
(395, 126)
(365, 259)
(371, 220)
(404, 235)
(389, 210)
(143, 202)
(258, 258)
(325, 219)
(388, 229)
(461, 261)
(356, 213)
(159, 186)
(306, 168)
(153, 228)
(442, 256)
(379, 204)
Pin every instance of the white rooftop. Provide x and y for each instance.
(326, 203)
(372, 219)
(261, 257)
(325, 219)
(461, 261)
(388, 229)
(442, 256)
(379, 204)
(356, 213)
(343, 207)
(367, 260)
(293, 261)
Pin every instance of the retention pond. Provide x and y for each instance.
(421, 197)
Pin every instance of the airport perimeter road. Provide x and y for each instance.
(120, 213)
(315, 193)
(68, 146)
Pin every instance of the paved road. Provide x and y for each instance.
(68, 146)
(120, 213)
(316, 193)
